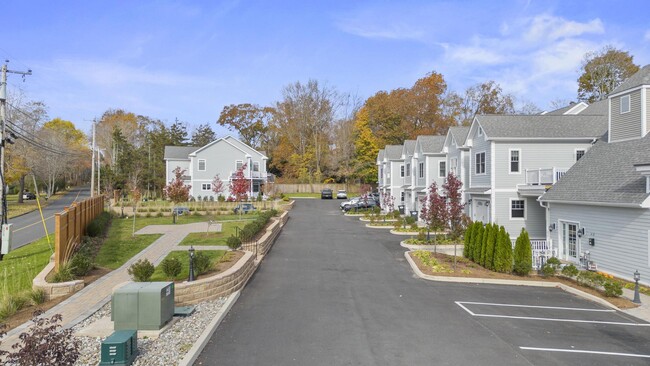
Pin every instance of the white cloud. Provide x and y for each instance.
(647, 35)
(390, 30)
(551, 28)
(476, 55)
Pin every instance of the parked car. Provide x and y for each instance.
(350, 202)
(29, 196)
(326, 194)
(179, 211)
(342, 194)
(245, 208)
(361, 204)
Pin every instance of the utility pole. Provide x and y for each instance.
(3, 138)
(92, 165)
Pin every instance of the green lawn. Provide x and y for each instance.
(183, 256)
(303, 195)
(20, 266)
(228, 229)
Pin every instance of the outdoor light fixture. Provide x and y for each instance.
(551, 227)
(469, 201)
(637, 277)
(191, 250)
(581, 232)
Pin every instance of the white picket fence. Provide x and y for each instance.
(542, 251)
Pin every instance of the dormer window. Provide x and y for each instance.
(625, 104)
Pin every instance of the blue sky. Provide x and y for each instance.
(188, 59)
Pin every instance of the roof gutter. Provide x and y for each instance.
(606, 204)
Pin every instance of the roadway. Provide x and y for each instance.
(29, 227)
(333, 292)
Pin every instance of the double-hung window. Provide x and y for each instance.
(625, 104)
(442, 169)
(201, 165)
(256, 166)
(421, 168)
(517, 209)
(453, 166)
(239, 164)
(515, 160)
(479, 163)
(408, 169)
(579, 154)
(206, 186)
(401, 170)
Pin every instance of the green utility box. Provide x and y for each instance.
(143, 305)
(120, 348)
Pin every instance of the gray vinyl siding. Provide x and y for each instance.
(173, 164)
(647, 110)
(534, 222)
(536, 155)
(432, 170)
(480, 145)
(621, 236)
(628, 125)
(220, 159)
(466, 164)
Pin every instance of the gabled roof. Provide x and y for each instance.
(606, 174)
(541, 126)
(393, 152)
(459, 133)
(641, 77)
(431, 144)
(600, 108)
(232, 142)
(380, 155)
(573, 108)
(179, 152)
(409, 148)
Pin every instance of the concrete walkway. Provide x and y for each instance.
(92, 297)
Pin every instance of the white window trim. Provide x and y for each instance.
(484, 162)
(421, 170)
(480, 131)
(408, 169)
(510, 210)
(402, 169)
(510, 161)
(442, 162)
(237, 163)
(256, 163)
(203, 187)
(205, 165)
(575, 153)
(628, 103)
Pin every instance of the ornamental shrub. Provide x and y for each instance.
(484, 244)
(478, 239)
(202, 263)
(503, 252)
(570, 271)
(548, 270)
(233, 242)
(468, 240)
(141, 271)
(171, 267)
(613, 288)
(81, 264)
(491, 244)
(523, 255)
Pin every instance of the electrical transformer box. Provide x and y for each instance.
(120, 348)
(143, 305)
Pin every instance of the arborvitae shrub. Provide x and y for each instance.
(523, 255)
(468, 240)
(478, 239)
(503, 252)
(484, 244)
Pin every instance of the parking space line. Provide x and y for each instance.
(536, 306)
(460, 303)
(584, 351)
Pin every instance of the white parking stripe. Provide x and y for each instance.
(585, 351)
(460, 303)
(536, 306)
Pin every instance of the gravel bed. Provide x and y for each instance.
(168, 349)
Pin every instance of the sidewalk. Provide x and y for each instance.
(92, 297)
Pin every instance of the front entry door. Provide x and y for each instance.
(570, 241)
(481, 211)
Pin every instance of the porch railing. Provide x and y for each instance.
(545, 176)
(542, 251)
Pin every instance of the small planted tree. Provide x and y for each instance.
(388, 203)
(503, 252)
(478, 239)
(239, 186)
(218, 187)
(455, 206)
(436, 212)
(177, 191)
(523, 255)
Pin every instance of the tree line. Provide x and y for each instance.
(313, 134)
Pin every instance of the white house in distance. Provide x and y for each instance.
(599, 211)
(221, 157)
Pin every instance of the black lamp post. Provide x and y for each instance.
(191, 250)
(637, 277)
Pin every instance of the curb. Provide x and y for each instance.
(404, 233)
(562, 286)
(379, 227)
(194, 352)
(440, 248)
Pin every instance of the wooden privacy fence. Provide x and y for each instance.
(70, 225)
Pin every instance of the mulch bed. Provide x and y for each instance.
(475, 271)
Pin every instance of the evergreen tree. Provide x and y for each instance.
(491, 244)
(484, 244)
(503, 252)
(523, 255)
(468, 240)
(478, 239)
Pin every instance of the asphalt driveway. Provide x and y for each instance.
(332, 292)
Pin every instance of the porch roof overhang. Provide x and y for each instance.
(479, 190)
(531, 191)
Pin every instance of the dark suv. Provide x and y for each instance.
(326, 194)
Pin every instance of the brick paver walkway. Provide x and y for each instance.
(92, 297)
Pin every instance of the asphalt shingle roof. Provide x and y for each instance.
(393, 152)
(179, 152)
(641, 77)
(409, 145)
(459, 134)
(543, 126)
(560, 111)
(431, 144)
(600, 108)
(380, 155)
(605, 174)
